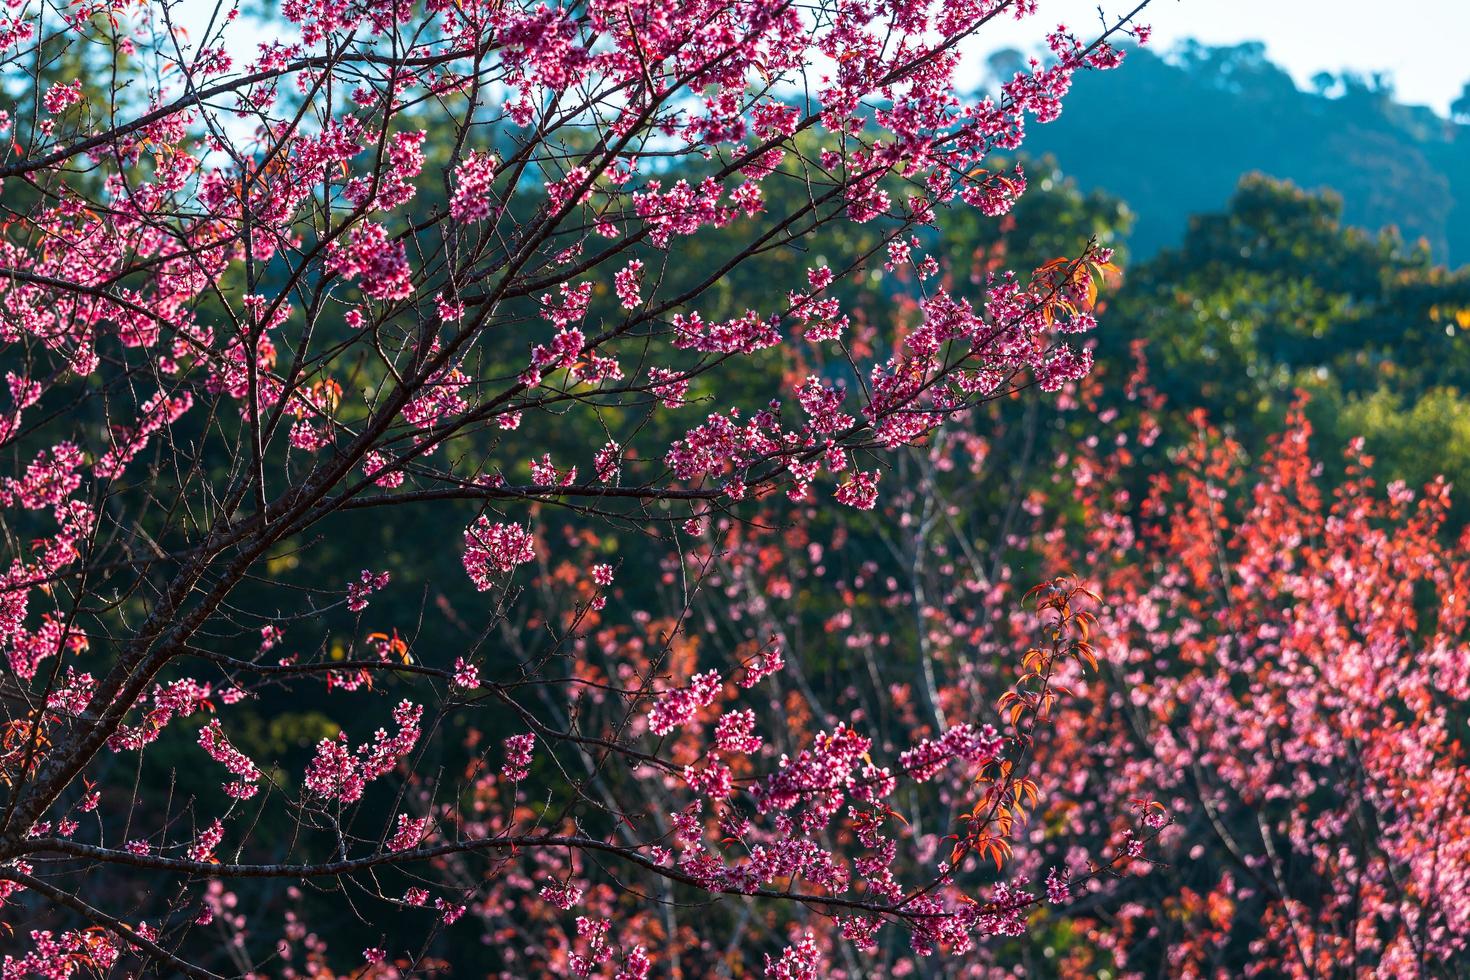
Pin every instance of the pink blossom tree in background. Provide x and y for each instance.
(428, 271)
(1281, 686)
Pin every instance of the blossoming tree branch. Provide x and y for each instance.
(471, 262)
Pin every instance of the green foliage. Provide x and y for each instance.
(1274, 294)
(1415, 440)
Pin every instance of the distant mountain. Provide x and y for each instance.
(1173, 135)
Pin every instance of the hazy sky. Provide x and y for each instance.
(1423, 44)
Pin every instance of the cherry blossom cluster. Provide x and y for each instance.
(495, 548)
(339, 773)
(368, 583)
(518, 753)
(473, 179)
(248, 775)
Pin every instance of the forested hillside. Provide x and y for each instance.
(1174, 134)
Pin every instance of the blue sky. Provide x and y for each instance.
(1424, 45)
